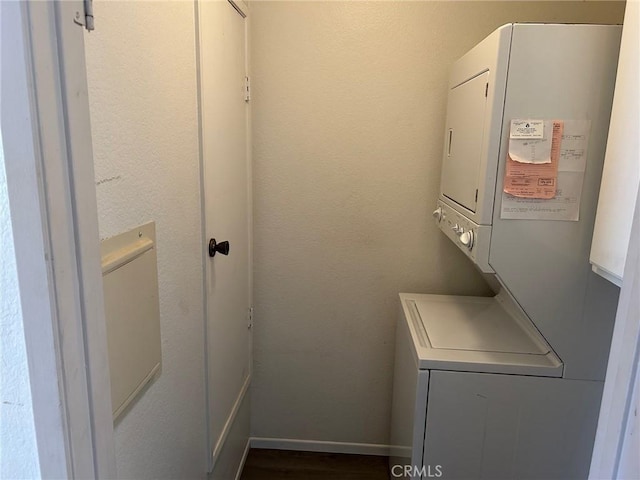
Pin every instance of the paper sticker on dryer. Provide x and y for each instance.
(565, 205)
(529, 149)
(522, 128)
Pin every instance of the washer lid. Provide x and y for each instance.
(474, 324)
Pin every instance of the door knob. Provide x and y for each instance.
(222, 247)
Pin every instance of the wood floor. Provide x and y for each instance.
(289, 465)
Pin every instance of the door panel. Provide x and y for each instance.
(488, 426)
(226, 209)
(463, 141)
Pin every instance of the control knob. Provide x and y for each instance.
(437, 214)
(467, 239)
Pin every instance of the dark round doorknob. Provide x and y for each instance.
(222, 247)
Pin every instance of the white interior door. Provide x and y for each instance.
(227, 212)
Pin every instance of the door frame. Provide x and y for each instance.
(52, 195)
(50, 181)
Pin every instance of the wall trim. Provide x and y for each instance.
(243, 459)
(215, 453)
(319, 446)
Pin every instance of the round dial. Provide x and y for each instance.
(467, 239)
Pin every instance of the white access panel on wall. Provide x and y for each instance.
(130, 282)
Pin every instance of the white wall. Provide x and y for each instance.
(18, 448)
(142, 89)
(348, 104)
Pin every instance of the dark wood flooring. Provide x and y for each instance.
(289, 465)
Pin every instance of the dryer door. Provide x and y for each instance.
(463, 141)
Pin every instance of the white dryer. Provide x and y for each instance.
(509, 387)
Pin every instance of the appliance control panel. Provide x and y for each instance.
(471, 238)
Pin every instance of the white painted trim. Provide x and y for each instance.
(30, 234)
(616, 407)
(320, 446)
(612, 277)
(203, 233)
(229, 423)
(247, 56)
(124, 255)
(64, 321)
(241, 6)
(243, 460)
(82, 190)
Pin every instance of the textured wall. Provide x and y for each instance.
(349, 102)
(18, 449)
(142, 90)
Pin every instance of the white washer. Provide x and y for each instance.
(476, 334)
(477, 394)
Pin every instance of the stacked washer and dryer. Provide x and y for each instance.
(509, 387)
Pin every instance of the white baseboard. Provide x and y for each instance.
(244, 459)
(319, 446)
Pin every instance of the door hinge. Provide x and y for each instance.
(250, 318)
(85, 18)
(486, 90)
(476, 195)
(247, 89)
